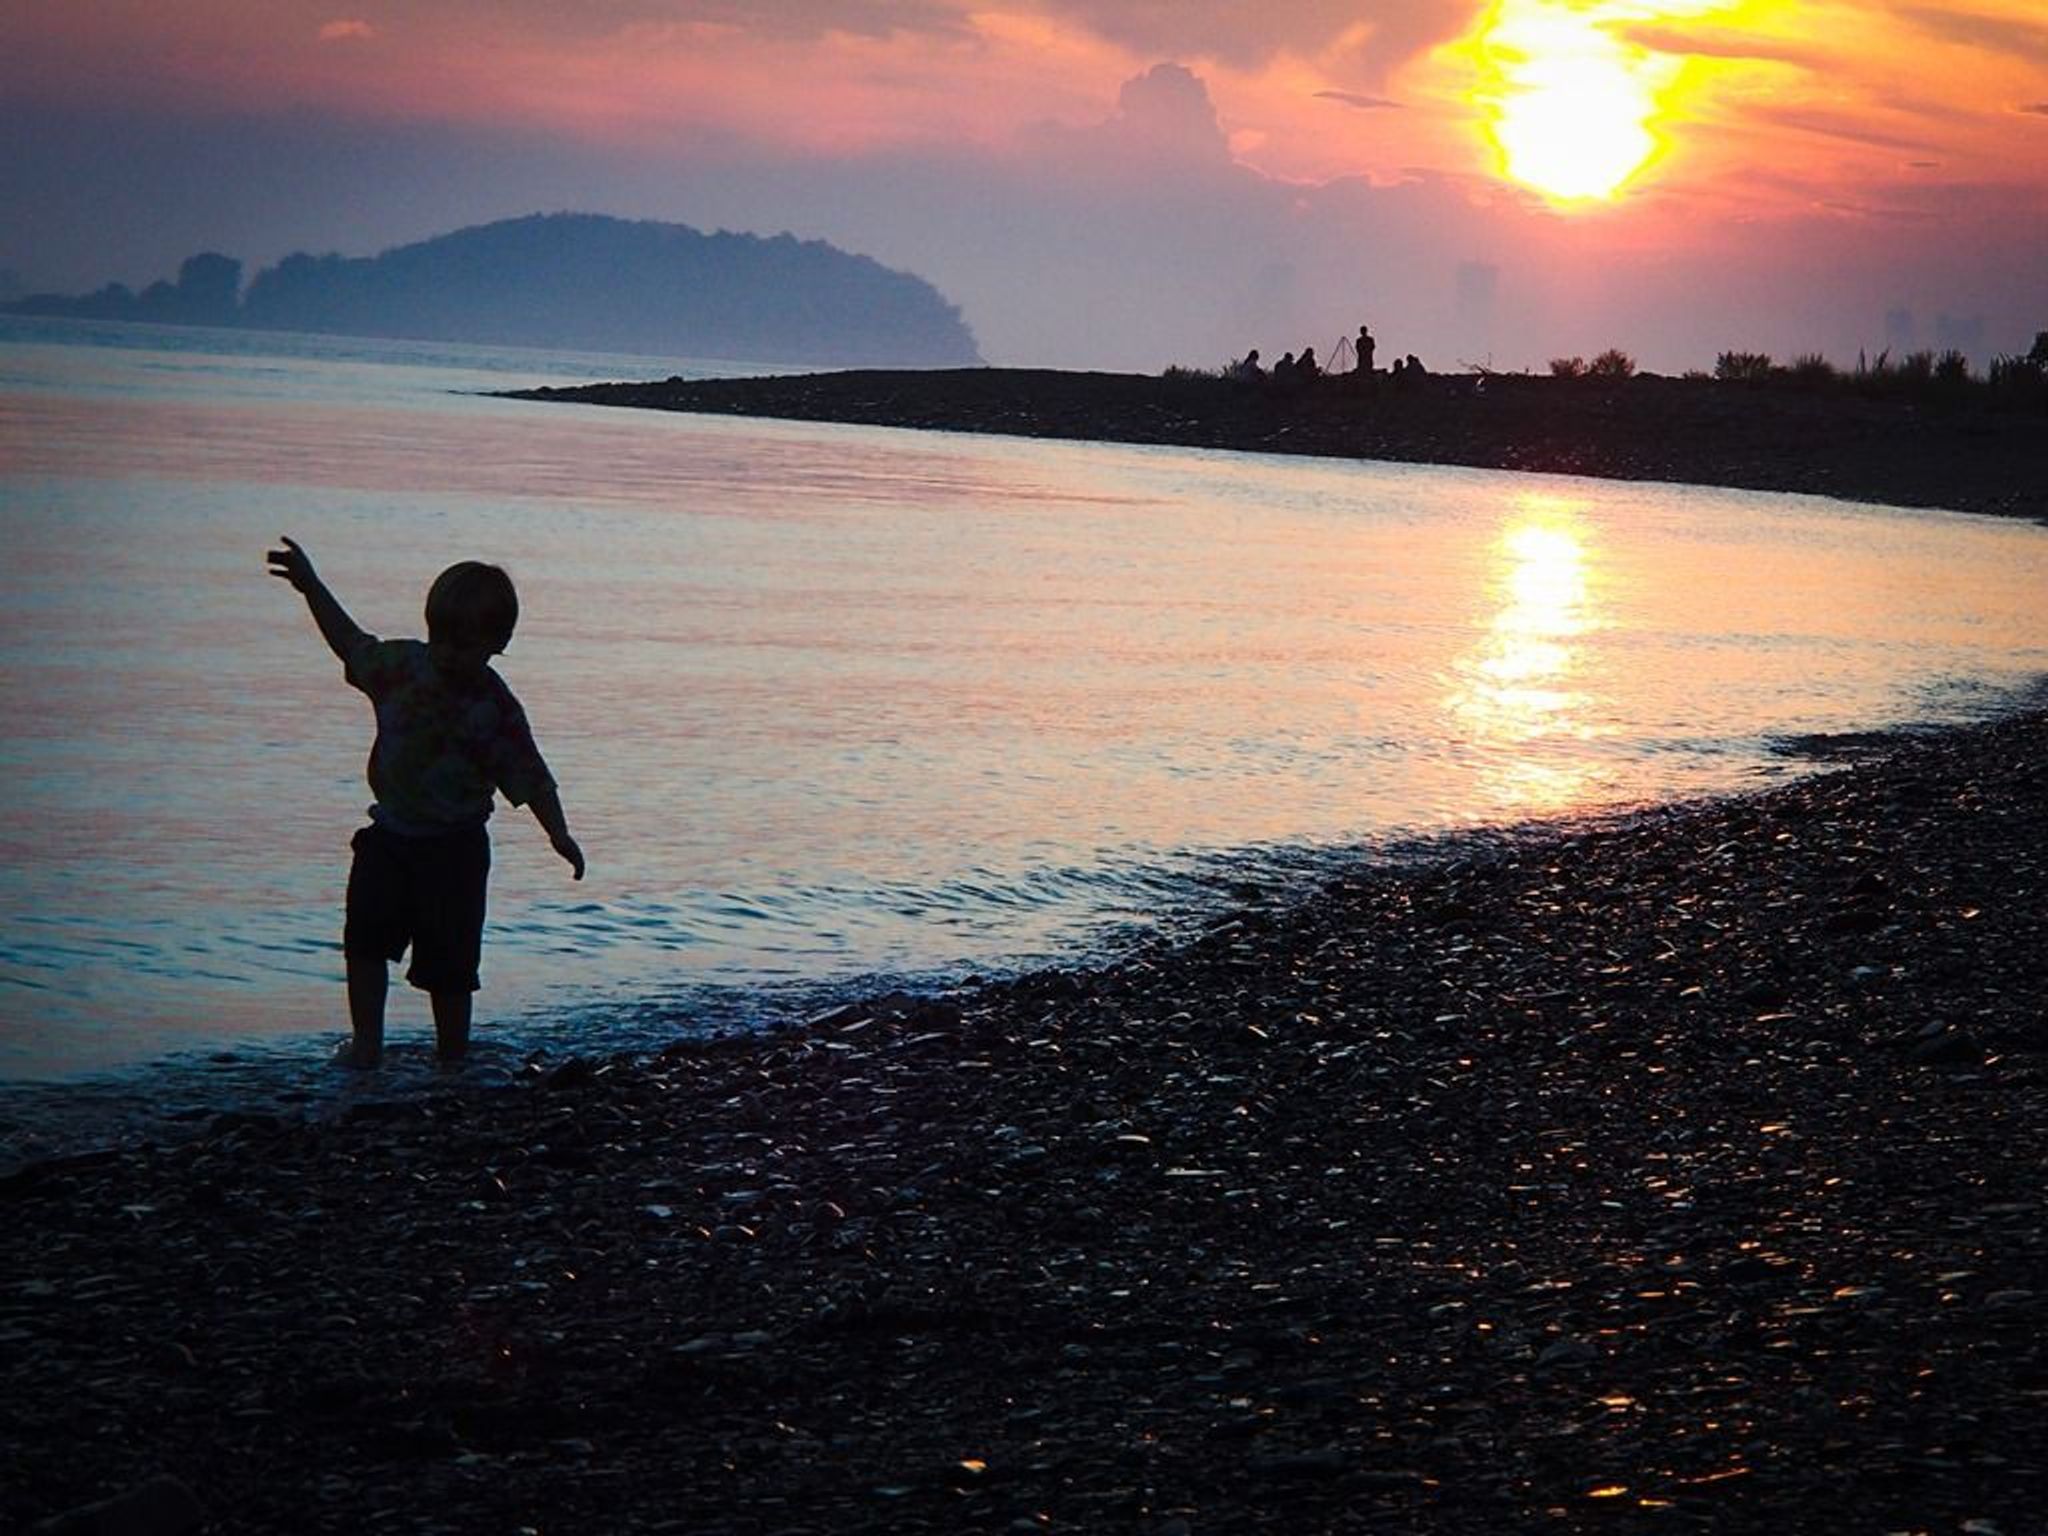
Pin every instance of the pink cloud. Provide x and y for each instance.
(1168, 109)
(1248, 36)
(346, 31)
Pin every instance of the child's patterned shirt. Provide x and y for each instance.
(443, 743)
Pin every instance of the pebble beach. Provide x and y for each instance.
(1672, 1171)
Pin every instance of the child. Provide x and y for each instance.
(448, 733)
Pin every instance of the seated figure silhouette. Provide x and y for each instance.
(1408, 373)
(449, 734)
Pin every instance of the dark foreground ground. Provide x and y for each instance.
(1678, 1174)
(1933, 452)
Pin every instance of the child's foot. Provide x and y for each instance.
(353, 1057)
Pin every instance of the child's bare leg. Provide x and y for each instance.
(368, 982)
(451, 1024)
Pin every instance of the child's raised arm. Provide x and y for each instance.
(341, 632)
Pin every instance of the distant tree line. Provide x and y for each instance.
(2018, 379)
(575, 281)
(207, 292)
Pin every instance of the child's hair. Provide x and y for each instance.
(471, 601)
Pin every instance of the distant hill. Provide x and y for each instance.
(578, 281)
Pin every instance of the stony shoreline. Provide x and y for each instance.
(1682, 1172)
(1933, 452)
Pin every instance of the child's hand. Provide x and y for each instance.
(565, 845)
(293, 564)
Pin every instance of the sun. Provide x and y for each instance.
(1568, 105)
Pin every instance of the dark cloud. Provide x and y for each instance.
(1406, 29)
(1164, 121)
(1720, 43)
(2037, 108)
(808, 18)
(1837, 125)
(1922, 107)
(1246, 36)
(780, 18)
(1356, 99)
(1994, 34)
(1877, 212)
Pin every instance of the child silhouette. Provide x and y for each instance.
(449, 733)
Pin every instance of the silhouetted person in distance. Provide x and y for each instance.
(1248, 367)
(1283, 371)
(1306, 367)
(1364, 346)
(449, 733)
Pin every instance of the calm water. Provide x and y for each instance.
(829, 701)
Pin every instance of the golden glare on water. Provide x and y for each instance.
(1568, 104)
(1515, 688)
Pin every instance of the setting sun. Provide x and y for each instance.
(1570, 104)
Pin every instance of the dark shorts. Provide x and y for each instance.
(427, 892)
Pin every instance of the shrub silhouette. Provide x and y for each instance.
(1743, 367)
(1813, 370)
(2016, 380)
(2022, 380)
(1611, 364)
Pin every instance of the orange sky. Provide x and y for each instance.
(1829, 125)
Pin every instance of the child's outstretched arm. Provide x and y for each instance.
(341, 632)
(547, 810)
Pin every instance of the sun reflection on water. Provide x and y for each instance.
(934, 702)
(1519, 692)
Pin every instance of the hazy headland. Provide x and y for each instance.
(573, 281)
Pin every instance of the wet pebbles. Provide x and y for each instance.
(1684, 1173)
